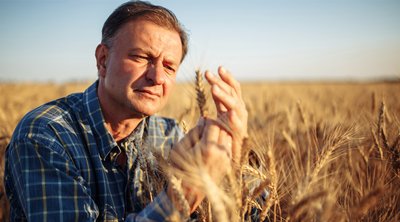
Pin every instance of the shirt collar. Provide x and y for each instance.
(96, 121)
(137, 136)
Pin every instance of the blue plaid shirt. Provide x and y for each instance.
(61, 164)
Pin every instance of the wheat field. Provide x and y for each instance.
(323, 151)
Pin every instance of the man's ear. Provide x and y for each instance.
(101, 58)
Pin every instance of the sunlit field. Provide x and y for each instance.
(323, 151)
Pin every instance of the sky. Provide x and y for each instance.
(257, 40)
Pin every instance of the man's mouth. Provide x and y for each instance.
(148, 92)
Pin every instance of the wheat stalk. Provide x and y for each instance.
(273, 198)
(289, 140)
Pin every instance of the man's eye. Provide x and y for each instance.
(169, 70)
(140, 58)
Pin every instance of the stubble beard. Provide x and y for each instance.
(139, 106)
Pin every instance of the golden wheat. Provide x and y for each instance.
(316, 152)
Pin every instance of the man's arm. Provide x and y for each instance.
(44, 185)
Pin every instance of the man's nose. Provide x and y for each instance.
(156, 73)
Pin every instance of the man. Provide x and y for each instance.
(84, 157)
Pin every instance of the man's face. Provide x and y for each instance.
(139, 68)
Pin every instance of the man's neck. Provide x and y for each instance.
(122, 129)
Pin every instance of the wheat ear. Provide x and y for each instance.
(200, 93)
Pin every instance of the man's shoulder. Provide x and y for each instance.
(40, 120)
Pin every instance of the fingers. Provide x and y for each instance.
(218, 85)
(215, 141)
(181, 150)
(226, 99)
(228, 78)
(216, 147)
(227, 82)
(213, 81)
(227, 96)
(226, 91)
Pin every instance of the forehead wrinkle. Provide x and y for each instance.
(161, 43)
(152, 42)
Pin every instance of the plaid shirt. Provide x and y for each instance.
(61, 164)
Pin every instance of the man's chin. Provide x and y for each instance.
(146, 108)
(146, 111)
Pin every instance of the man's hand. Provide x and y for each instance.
(203, 148)
(231, 108)
(213, 144)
